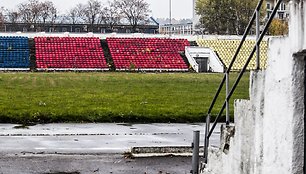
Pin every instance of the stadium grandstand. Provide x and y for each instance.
(122, 52)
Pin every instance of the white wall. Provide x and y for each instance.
(214, 62)
(245, 154)
(284, 104)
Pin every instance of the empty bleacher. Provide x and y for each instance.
(150, 54)
(69, 53)
(227, 48)
(14, 53)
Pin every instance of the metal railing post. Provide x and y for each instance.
(227, 99)
(195, 152)
(257, 37)
(206, 138)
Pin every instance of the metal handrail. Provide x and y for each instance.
(235, 55)
(208, 132)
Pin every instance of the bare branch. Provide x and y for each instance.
(134, 11)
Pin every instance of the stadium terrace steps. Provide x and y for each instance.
(107, 55)
(227, 48)
(69, 53)
(148, 54)
(14, 53)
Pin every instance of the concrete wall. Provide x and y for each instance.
(245, 151)
(269, 137)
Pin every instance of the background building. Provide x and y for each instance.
(283, 11)
(177, 29)
(77, 28)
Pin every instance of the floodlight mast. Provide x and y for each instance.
(170, 17)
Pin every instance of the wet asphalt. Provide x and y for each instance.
(91, 164)
(96, 138)
(94, 148)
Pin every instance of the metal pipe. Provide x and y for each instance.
(245, 66)
(170, 16)
(227, 99)
(195, 152)
(257, 36)
(206, 139)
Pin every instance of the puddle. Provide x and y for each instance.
(21, 127)
(196, 124)
(24, 126)
(125, 124)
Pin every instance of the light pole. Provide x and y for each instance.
(170, 16)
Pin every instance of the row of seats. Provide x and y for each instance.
(147, 53)
(69, 52)
(227, 48)
(14, 52)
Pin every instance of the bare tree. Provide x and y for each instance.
(77, 14)
(73, 15)
(89, 13)
(111, 15)
(12, 16)
(30, 11)
(63, 19)
(134, 11)
(48, 12)
(92, 11)
(2, 17)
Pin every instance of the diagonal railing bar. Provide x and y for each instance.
(249, 27)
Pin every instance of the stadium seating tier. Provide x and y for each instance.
(69, 53)
(14, 52)
(148, 53)
(227, 48)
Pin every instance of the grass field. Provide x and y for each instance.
(110, 97)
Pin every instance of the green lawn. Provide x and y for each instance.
(109, 97)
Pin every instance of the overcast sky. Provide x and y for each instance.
(160, 8)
